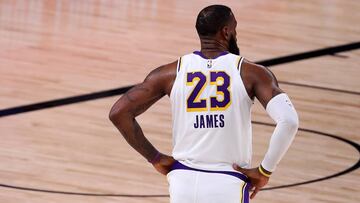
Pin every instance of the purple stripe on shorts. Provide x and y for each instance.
(178, 165)
(246, 193)
(203, 56)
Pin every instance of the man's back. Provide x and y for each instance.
(211, 112)
(211, 115)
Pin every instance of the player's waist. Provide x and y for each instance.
(180, 166)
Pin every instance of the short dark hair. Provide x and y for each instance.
(212, 19)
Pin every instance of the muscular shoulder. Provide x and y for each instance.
(163, 77)
(258, 78)
(257, 73)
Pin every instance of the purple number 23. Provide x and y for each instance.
(220, 102)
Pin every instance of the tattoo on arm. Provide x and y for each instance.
(144, 103)
(134, 89)
(135, 137)
(134, 102)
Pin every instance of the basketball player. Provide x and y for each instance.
(211, 93)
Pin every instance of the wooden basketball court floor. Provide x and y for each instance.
(52, 50)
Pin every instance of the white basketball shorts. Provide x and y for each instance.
(189, 185)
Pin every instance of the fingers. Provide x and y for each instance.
(254, 193)
(242, 170)
(253, 179)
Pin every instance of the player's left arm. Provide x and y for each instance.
(279, 107)
(136, 101)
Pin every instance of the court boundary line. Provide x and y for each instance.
(318, 87)
(343, 172)
(310, 54)
(117, 91)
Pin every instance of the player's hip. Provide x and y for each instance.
(188, 184)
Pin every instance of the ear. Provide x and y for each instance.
(226, 33)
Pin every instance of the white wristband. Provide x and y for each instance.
(284, 114)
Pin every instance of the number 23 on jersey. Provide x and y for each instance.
(219, 102)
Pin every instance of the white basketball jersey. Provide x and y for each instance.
(211, 113)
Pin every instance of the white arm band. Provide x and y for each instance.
(284, 114)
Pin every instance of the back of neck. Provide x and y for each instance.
(212, 48)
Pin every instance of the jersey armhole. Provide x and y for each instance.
(241, 59)
(239, 64)
(178, 65)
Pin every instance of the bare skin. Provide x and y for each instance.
(136, 101)
(259, 82)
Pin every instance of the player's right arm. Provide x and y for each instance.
(261, 83)
(136, 101)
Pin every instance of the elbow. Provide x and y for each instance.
(292, 122)
(115, 113)
(119, 111)
(289, 121)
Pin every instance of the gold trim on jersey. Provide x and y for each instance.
(179, 64)
(242, 193)
(239, 62)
